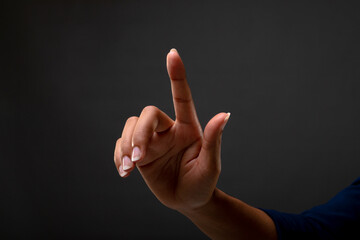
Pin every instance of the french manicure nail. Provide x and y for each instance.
(127, 164)
(226, 119)
(136, 153)
(122, 173)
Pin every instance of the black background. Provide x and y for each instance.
(72, 73)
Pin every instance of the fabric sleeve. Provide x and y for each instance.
(337, 219)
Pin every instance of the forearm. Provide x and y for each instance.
(225, 217)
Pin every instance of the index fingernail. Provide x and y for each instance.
(173, 50)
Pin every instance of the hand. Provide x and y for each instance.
(178, 161)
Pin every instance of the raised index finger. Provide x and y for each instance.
(183, 103)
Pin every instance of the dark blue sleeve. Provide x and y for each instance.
(337, 219)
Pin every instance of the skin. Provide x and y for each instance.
(181, 164)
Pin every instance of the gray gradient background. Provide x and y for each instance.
(71, 74)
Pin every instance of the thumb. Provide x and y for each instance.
(211, 148)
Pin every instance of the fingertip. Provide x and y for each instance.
(226, 119)
(122, 173)
(175, 66)
(215, 126)
(221, 117)
(228, 116)
(170, 55)
(173, 54)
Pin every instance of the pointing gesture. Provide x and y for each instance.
(178, 161)
(183, 103)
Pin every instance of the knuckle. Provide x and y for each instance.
(131, 119)
(118, 142)
(150, 109)
(139, 138)
(182, 100)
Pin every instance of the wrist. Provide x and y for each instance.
(225, 217)
(204, 208)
